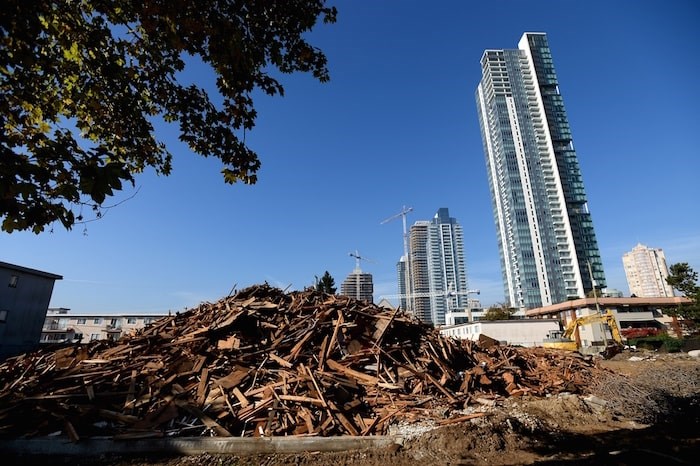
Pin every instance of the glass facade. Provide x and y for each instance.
(545, 233)
(438, 275)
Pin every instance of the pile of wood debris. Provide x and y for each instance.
(268, 363)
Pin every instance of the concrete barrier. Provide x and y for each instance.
(193, 445)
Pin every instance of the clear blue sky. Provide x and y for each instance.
(397, 125)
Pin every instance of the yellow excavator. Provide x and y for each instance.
(557, 339)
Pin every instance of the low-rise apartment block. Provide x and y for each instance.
(63, 326)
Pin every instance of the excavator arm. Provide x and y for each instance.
(608, 318)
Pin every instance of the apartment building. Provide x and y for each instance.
(63, 326)
(548, 248)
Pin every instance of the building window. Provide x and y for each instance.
(82, 321)
(94, 336)
(13, 281)
(131, 320)
(147, 320)
(97, 321)
(3, 316)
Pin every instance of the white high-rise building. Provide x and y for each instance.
(646, 272)
(436, 250)
(546, 240)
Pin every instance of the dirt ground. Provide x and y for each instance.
(646, 408)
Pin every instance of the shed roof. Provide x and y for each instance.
(27, 270)
(609, 302)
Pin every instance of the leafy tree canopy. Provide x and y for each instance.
(684, 279)
(82, 82)
(499, 312)
(326, 284)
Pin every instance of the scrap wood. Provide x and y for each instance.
(361, 377)
(381, 326)
(300, 363)
(240, 397)
(302, 399)
(233, 379)
(282, 362)
(202, 386)
(206, 420)
(71, 432)
(338, 414)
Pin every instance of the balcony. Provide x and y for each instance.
(54, 327)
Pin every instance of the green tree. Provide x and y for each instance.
(684, 279)
(499, 312)
(83, 82)
(326, 284)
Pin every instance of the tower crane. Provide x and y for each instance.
(404, 211)
(407, 278)
(357, 283)
(358, 258)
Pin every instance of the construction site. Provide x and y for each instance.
(268, 377)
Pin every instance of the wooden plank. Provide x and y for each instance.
(231, 342)
(302, 399)
(295, 351)
(240, 397)
(251, 411)
(315, 383)
(226, 323)
(164, 414)
(261, 389)
(382, 325)
(206, 420)
(307, 417)
(202, 387)
(360, 376)
(279, 360)
(334, 337)
(322, 353)
(344, 421)
(129, 403)
(70, 431)
(237, 375)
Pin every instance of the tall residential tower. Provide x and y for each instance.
(547, 244)
(358, 285)
(646, 272)
(438, 276)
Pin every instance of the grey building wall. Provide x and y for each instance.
(24, 298)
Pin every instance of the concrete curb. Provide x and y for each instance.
(193, 445)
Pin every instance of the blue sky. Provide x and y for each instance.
(397, 125)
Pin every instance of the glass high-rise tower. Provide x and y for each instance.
(438, 275)
(546, 240)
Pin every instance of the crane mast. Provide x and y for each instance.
(358, 258)
(407, 276)
(358, 278)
